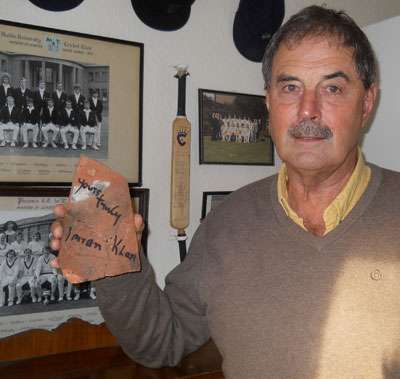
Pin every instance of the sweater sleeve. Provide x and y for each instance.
(154, 327)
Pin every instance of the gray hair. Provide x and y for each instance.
(316, 21)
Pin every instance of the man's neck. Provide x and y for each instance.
(310, 193)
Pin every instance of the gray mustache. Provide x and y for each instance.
(309, 127)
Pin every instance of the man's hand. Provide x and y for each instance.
(57, 229)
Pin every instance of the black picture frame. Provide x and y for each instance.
(226, 137)
(110, 66)
(210, 200)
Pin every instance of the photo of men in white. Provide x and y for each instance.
(54, 109)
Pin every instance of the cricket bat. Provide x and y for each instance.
(180, 165)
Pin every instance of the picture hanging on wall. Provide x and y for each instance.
(234, 129)
(34, 296)
(210, 200)
(66, 94)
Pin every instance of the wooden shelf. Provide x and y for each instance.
(111, 362)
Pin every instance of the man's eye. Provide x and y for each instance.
(333, 89)
(290, 88)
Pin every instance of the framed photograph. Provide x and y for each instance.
(63, 94)
(211, 200)
(234, 129)
(25, 220)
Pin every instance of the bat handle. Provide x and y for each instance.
(182, 237)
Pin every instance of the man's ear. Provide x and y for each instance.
(369, 101)
(267, 99)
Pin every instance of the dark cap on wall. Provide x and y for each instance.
(165, 15)
(255, 23)
(56, 5)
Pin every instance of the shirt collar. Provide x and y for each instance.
(340, 207)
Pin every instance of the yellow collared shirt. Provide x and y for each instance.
(341, 205)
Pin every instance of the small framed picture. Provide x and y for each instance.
(211, 200)
(234, 129)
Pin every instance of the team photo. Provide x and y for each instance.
(32, 293)
(53, 107)
(234, 129)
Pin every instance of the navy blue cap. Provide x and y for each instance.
(56, 5)
(255, 23)
(165, 15)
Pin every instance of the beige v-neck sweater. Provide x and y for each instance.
(279, 302)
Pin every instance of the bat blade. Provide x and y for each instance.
(180, 173)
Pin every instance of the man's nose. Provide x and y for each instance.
(309, 106)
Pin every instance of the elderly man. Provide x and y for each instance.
(309, 288)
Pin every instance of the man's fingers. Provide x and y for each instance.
(54, 263)
(60, 210)
(55, 244)
(139, 223)
(139, 227)
(57, 229)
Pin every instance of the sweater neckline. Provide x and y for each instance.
(298, 234)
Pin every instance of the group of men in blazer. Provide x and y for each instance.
(48, 115)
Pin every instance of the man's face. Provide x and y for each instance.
(22, 83)
(68, 105)
(95, 95)
(41, 85)
(77, 90)
(50, 104)
(316, 84)
(6, 80)
(87, 106)
(10, 255)
(59, 87)
(36, 237)
(10, 101)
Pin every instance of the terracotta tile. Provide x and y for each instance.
(99, 238)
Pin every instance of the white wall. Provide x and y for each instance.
(205, 43)
(381, 141)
